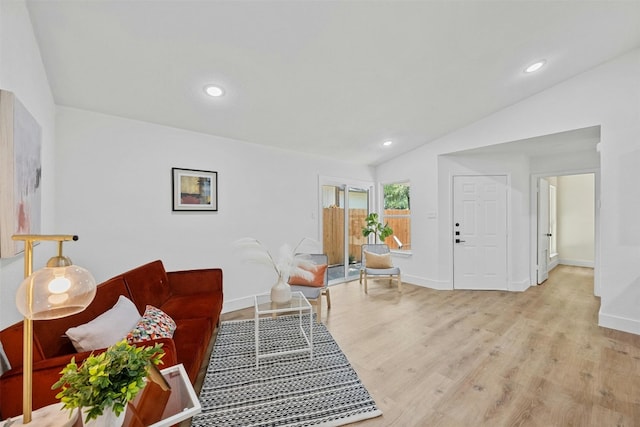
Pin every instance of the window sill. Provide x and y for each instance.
(405, 254)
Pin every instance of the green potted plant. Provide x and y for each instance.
(106, 382)
(376, 227)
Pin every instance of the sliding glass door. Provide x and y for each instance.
(344, 208)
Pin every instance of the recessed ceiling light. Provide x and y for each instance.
(535, 66)
(387, 143)
(213, 90)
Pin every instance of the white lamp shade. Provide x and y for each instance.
(54, 292)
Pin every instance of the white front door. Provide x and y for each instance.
(543, 230)
(480, 232)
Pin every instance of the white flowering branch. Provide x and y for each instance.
(288, 262)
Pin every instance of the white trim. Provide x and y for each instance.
(331, 180)
(576, 262)
(237, 304)
(619, 323)
(519, 286)
(439, 285)
(401, 253)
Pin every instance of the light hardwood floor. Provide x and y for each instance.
(487, 358)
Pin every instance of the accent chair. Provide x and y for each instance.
(376, 262)
(314, 293)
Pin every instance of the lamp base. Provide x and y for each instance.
(49, 416)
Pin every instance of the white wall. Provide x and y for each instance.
(114, 191)
(22, 72)
(608, 96)
(576, 219)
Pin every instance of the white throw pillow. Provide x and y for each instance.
(107, 329)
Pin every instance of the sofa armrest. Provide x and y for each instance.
(47, 372)
(190, 282)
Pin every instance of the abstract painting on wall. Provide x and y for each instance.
(194, 190)
(20, 174)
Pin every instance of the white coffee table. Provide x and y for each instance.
(263, 307)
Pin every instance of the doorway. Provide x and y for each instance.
(567, 222)
(480, 232)
(344, 209)
(545, 219)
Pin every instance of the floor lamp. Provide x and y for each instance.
(60, 289)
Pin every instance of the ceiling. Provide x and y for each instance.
(570, 141)
(329, 78)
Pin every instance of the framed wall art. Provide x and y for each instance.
(194, 190)
(20, 174)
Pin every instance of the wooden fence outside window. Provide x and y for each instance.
(333, 232)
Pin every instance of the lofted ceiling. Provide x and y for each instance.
(570, 141)
(329, 78)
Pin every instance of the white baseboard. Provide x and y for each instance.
(440, 285)
(519, 286)
(619, 323)
(446, 285)
(237, 304)
(576, 262)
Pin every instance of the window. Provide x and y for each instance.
(397, 214)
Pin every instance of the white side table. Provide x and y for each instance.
(154, 407)
(49, 416)
(263, 307)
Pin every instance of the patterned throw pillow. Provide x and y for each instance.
(155, 323)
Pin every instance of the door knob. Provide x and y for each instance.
(460, 241)
(549, 234)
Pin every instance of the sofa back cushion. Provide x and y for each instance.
(51, 333)
(11, 338)
(148, 284)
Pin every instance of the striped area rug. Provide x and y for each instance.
(289, 390)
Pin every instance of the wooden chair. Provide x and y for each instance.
(314, 294)
(365, 271)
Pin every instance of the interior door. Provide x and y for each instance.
(543, 230)
(480, 232)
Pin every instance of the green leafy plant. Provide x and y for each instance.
(377, 228)
(108, 380)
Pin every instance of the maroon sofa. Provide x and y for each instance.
(193, 298)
